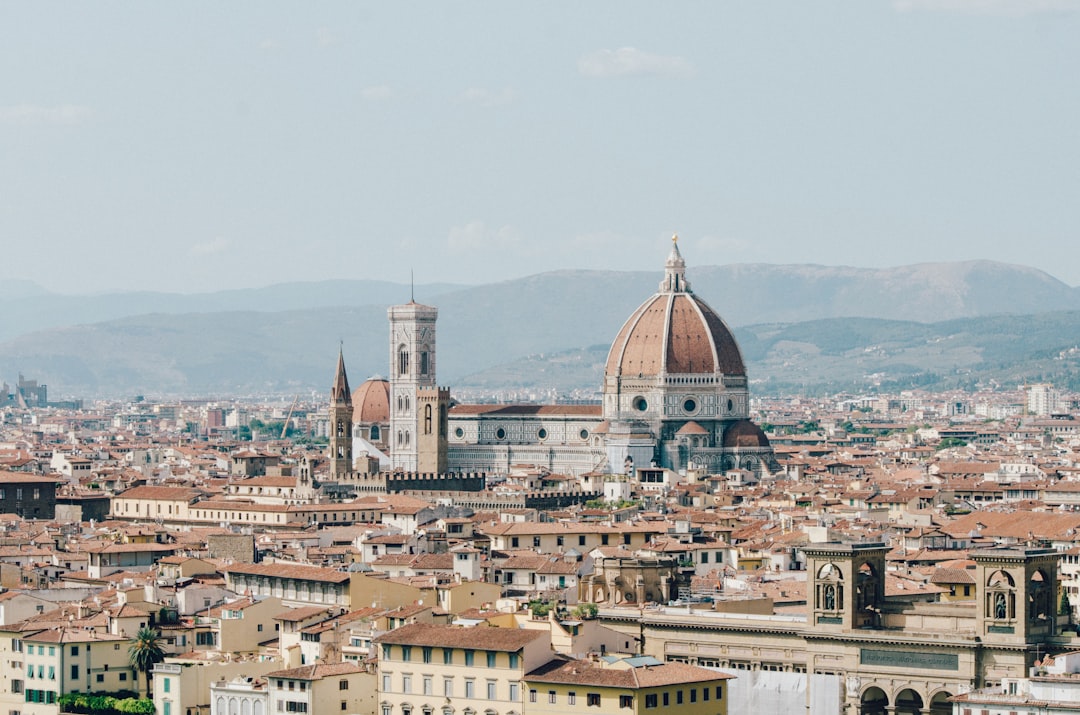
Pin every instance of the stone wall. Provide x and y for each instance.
(239, 548)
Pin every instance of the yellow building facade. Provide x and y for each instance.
(427, 669)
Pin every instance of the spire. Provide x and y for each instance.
(340, 391)
(675, 271)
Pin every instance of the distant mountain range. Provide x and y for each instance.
(849, 355)
(801, 328)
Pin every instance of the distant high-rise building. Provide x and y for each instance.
(28, 393)
(1043, 400)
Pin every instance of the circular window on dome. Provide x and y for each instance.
(541, 433)
(730, 405)
(641, 404)
(584, 434)
(500, 433)
(459, 433)
(689, 404)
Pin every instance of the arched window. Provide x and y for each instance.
(830, 588)
(1000, 602)
(866, 588)
(427, 419)
(374, 433)
(340, 428)
(403, 361)
(1039, 597)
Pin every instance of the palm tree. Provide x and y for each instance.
(145, 651)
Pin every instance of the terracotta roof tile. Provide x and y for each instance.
(480, 637)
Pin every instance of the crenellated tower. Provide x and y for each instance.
(433, 406)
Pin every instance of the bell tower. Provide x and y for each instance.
(1018, 589)
(846, 588)
(412, 368)
(340, 422)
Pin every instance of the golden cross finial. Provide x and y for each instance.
(675, 238)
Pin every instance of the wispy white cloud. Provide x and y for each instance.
(632, 62)
(325, 37)
(269, 43)
(477, 235)
(376, 94)
(31, 114)
(988, 7)
(487, 97)
(212, 247)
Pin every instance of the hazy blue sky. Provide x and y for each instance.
(197, 146)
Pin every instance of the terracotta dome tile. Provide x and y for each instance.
(371, 402)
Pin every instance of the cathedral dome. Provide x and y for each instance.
(746, 434)
(674, 333)
(371, 402)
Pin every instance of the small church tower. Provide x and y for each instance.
(340, 422)
(412, 368)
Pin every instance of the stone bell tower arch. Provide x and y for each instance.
(846, 585)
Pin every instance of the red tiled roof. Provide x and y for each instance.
(293, 571)
(483, 637)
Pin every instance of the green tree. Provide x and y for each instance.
(146, 651)
(539, 608)
(586, 611)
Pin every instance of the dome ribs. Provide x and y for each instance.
(689, 349)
